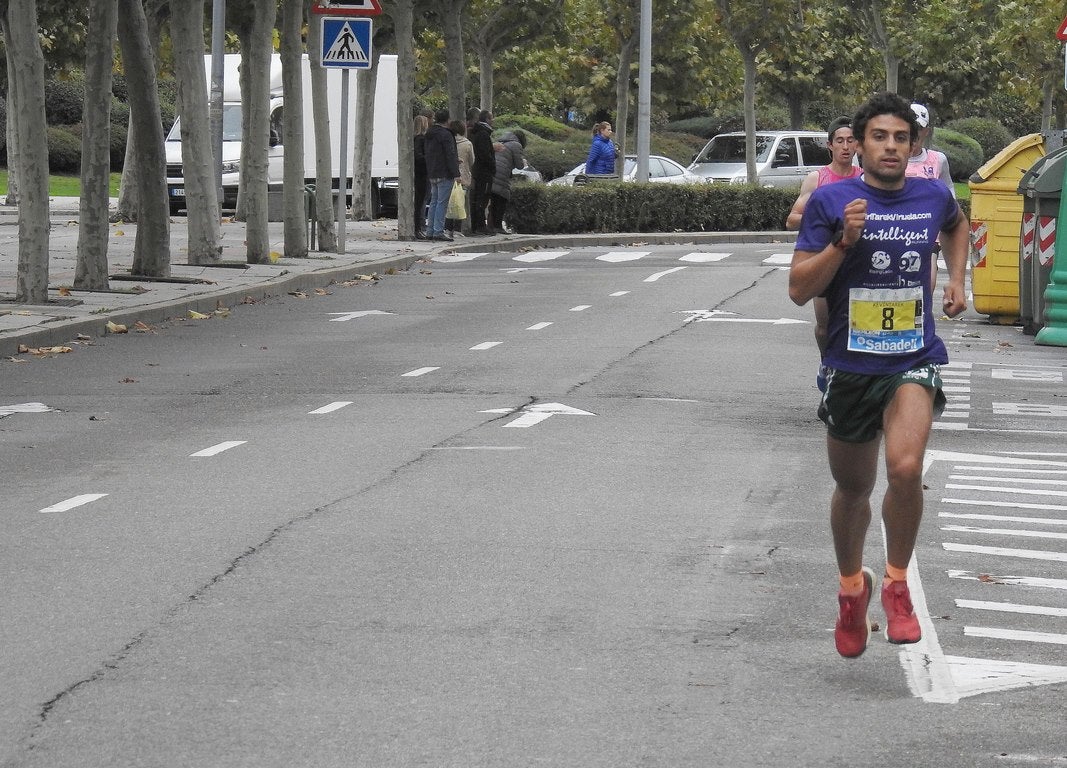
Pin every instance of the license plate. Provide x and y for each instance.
(177, 191)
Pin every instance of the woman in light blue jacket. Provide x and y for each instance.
(602, 153)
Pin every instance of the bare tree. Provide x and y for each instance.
(256, 50)
(450, 14)
(10, 129)
(294, 221)
(91, 269)
(26, 77)
(151, 255)
(201, 194)
(324, 210)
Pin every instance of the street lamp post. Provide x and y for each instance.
(644, 91)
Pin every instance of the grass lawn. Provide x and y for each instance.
(63, 186)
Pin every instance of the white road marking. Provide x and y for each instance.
(580, 308)
(1000, 489)
(654, 277)
(1014, 469)
(452, 258)
(217, 449)
(1010, 504)
(330, 408)
(538, 326)
(618, 293)
(1028, 374)
(702, 258)
(422, 371)
(7, 410)
(1025, 554)
(1016, 634)
(485, 345)
(345, 316)
(538, 412)
(1021, 581)
(1029, 409)
(535, 256)
(617, 256)
(990, 479)
(1023, 534)
(77, 501)
(1030, 610)
(516, 270)
(478, 448)
(1004, 518)
(778, 259)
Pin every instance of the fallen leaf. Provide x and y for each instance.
(17, 360)
(64, 291)
(391, 271)
(119, 232)
(127, 380)
(298, 294)
(274, 256)
(222, 312)
(83, 337)
(194, 315)
(321, 292)
(142, 327)
(429, 297)
(249, 300)
(23, 348)
(115, 327)
(425, 272)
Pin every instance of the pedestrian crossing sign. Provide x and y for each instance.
(346, 42)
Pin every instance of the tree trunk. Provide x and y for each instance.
(151, 255)
(452, 27)
(622, 98)
(201, 195)
(362, 144)
(93, 232)
(128, 203)
(748, 56)
(294, 220)
(403, 21)
(326, 229)
(20, 35)
(485, 79)
(12, 133)
(256, 58)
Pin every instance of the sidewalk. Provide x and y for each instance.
(371, 248)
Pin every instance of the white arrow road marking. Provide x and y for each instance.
(77, 501)
(330, 408)
(485, 345)
(217, 449)
(452, 258)
(538, 412)
(973, 677)
(701, 258)
(7, 410)
(617, 256)
(653, 278)
(344, 316)
(422, 371)
(535, 256)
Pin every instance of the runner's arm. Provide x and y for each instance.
(955, 245)
(812, 271)
(811, 181)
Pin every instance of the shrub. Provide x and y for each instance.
(118, 146)
(63, 101)
(964, 153)
(544, 127)
(989, 133)
(628, 207)
(64, 150)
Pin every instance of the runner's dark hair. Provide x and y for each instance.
(884, 103)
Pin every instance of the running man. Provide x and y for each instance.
(842, 148)
(866, 245)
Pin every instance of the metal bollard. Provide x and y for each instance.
(309, 214)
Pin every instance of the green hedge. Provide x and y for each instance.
(964, 153)
(64, 150)
(627, 207)
(989, 133)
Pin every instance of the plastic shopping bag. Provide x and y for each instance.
(457, 203)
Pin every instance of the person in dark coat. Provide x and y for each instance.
(442, 169)
(422, 123)
(508, 158)
(480, 133)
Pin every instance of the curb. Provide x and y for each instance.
(61, 332)
(620, 239)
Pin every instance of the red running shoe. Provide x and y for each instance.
(901, 625)
(853, 628)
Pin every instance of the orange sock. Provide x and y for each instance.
(892, 573)
(852, 585)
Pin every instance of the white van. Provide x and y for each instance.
(385, 154)
(783, 158)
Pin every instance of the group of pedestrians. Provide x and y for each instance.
(451, 153)
(866, 255)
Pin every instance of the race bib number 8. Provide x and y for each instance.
(887, 321)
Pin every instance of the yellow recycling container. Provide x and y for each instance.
(996, 218)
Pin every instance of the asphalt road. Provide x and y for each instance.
(544, 508)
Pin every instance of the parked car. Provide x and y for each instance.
(529, 173)
(783, 158)
(661, 170)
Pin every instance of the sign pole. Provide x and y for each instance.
(342, 197)
(1054, 332)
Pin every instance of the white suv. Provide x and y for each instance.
(783, 158)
